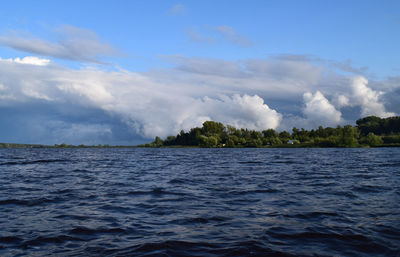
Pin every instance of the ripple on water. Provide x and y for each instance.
(199, 202)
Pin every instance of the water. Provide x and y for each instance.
(200, 202)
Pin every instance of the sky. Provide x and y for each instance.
(122, 72)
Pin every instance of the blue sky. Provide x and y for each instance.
(264, 63)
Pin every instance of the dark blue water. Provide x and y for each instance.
(200, 202)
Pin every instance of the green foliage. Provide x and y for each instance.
(211, 141)
(284, 135)
(270, 133)
(254, 142)
(213, 128)
(215, 134)
(348, 136)
(373, 140)
(379, 126)
(269, 141)
(158, 142)
(391, 139)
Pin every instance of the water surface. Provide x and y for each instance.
(200, 202)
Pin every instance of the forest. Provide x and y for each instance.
(370, 131)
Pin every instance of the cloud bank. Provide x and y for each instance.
(53, 103)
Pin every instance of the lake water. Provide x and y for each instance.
(200, 202)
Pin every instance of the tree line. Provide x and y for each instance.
(370, 131)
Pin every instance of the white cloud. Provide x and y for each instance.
(32, 60)
(319, 110)
(73, 44)
(255, 94)
(242, 112)
(367, 98)
(151, 108)
(342, 101)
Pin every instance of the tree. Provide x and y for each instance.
(272, 141)
(349, 136)
(270, 133)
(230, 143)
(215, 134)
(254, 142)
(157, 142)
(369, 124)
(373, 140)
(284, 136)
(211, 141)
(213, 128)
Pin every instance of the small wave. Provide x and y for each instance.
(200, 220)
(154, 191)
(90, 231)
(176, 181)
(394, 164)
(114, 208)
(31, 202)
(44, 240)
(255, 191)
(81, 171)
(33, 162)
(284, 162)
(10, 239)
(368, 188)
(324, 184)
(347, 194)
(185, 248)
(356, 241)
(313, 215)
(67, 191)
(70, 216)
(251, 162)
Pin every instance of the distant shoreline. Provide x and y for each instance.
(39, 146)
(370, 131)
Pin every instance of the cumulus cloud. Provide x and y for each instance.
(367, 98)
(342, 101)
(229, 34)
(73, 44)
(391, 86)
(243, 112)
(319, 110)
